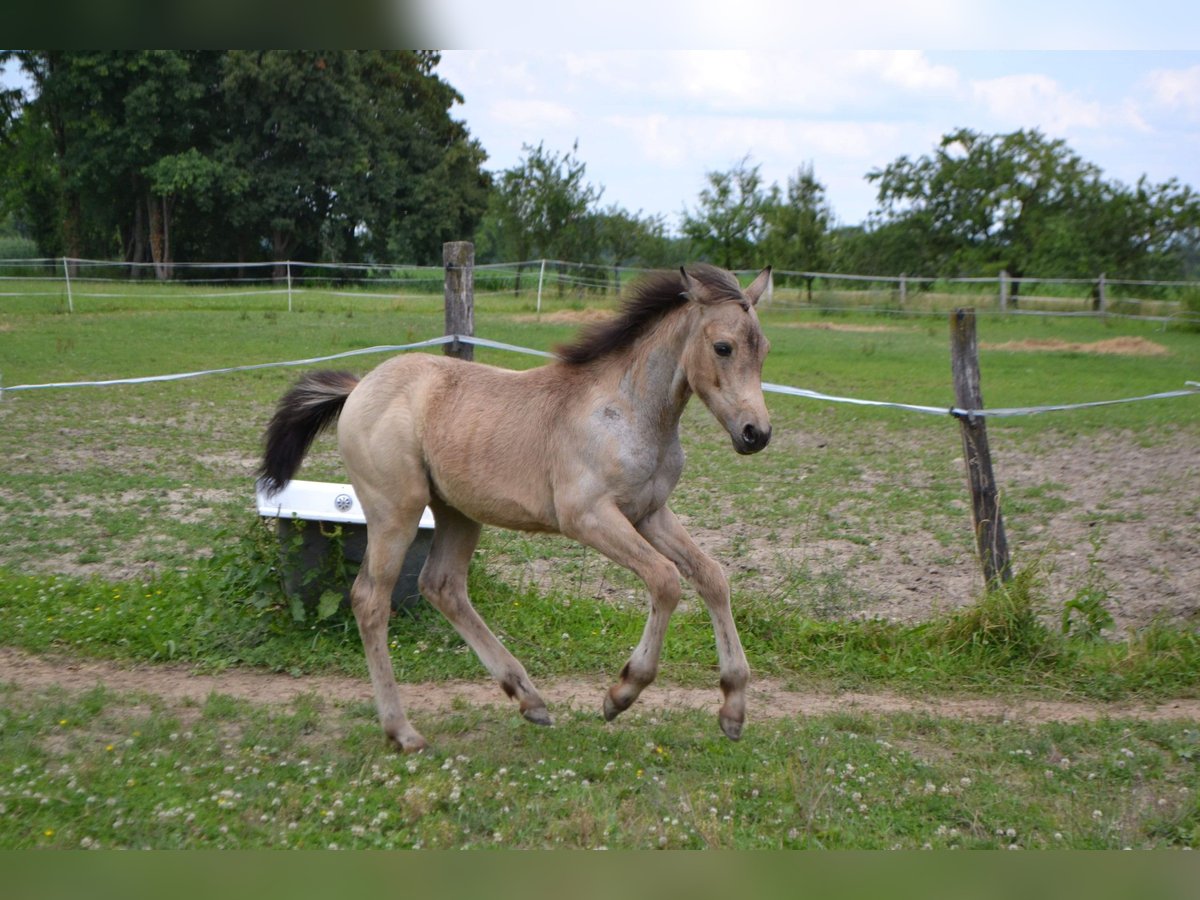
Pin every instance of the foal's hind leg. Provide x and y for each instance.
(443, 582)
(664, 531)
(371, 597)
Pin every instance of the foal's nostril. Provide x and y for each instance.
(751, 439)
(754, 439)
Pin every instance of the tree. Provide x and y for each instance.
(292, 119)
(426, 184)
(541, 208)
(630, 239)
(796, 225)
(97, 122)
(982, 201)
(1026, 204)
(239, 153)
(728, 220)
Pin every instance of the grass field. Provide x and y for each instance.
(128, 533)
(104, 770)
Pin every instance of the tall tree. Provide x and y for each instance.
(97, 122)
(728, 220)
(292, 117)
(542, 207)
(227, 153)
(428, 185)
(979, 200)
(796, 225)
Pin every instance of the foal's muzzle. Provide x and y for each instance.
(751, 439)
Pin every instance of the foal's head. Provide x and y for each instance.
(724, 346)
(725, 352)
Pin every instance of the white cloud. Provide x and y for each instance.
(671, 153)
(532, 115)
(680, 149)
(1038, 101)
(910, 70)
(1177, 90)
(721, 140)
(815, 82)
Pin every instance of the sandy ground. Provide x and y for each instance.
(768, 699)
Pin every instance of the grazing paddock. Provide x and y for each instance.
(850, 512)
(127, 531)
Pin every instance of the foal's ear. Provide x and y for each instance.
(756, 288)
(689, 286)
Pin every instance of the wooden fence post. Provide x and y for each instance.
(67, 276)
(458, 257)
(990, 539)
(1003, 290)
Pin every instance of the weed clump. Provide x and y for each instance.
(1004, 623)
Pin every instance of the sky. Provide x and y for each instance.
(650, 123)
(785, 83)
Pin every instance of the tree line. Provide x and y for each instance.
(162, 156)
(977, 205)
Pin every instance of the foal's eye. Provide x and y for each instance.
(721, 348)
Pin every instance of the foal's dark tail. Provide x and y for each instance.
(303, 412)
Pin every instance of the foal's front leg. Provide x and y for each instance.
(606, 529)
(664, 530)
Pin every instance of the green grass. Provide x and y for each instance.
(127, 532)
(230, 611)
(125, 771)
(144, 481)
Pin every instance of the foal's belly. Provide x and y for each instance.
(500, 502)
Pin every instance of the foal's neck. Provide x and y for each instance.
(653, 377)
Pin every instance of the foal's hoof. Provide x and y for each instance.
(411, 742)
(538, 715)
(731, 727)
(613, 708)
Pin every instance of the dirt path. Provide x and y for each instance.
(769, 699)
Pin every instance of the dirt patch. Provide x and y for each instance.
(768, 699)
(841, 326)
(569, 317)
(1106, 511)
(1120, 346)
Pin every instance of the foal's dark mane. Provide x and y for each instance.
(646, 303)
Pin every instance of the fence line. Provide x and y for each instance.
(1192, 388)
(823, 292)
(56, 263)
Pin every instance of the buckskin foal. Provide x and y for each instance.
(586, 446)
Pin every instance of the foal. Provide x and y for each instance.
(586, 446)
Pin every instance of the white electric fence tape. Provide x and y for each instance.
(1192, 387)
